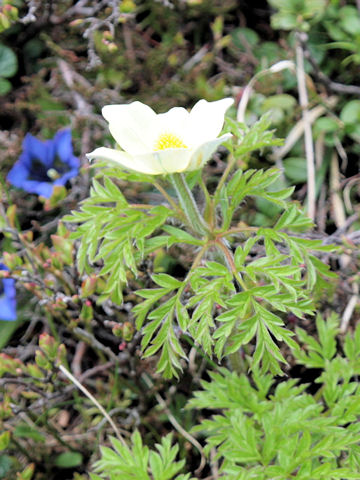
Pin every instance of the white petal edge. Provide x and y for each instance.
(154, 163)
(206, 121)
(131, 126)
(121, 159)
(204, 152)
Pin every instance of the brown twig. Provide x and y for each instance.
(76, 361)
(324, 79)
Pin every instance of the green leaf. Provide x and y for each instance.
(138, 462)
(69, 460)
(213, 269)
(295, 169)
(8, 62)
(350, 113)
(25, 431)
(241, 35)
(6, 464)
(166, 281)
(327, 125)
(93, 476)
(283, 101)
(5, 86)
(4, 440)
(180, 236)
(182, 316)
(257, 137)
(242, 252)
(246, 331)
(7, 329)
(349, 20)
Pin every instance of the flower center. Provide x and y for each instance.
(40, 173)
(53, 174)
(168, 140)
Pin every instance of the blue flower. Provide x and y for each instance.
(44, 164)
(7, 297)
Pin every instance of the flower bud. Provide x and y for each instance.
(4, 22)
(117, 330)
(87, 313)
(27, 236)
(42, 361)
(112, 47)
(61, 354)
(64, 246)
(5, 408)
(76, 22)
(11, 260)
(56, 261)
(34, 370)
(4, 440)
(49, 345)
(12, 12)
(128, 331)
(88, 286)
(9, 364)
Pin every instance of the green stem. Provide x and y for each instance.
(189, 340)
(235, 230)
(188, 204)
(229, 167)
(230, 263)
(195, 264)
(237, 362)
(165, 194)
(209, 210)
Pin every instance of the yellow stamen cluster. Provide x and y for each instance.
(168, 140)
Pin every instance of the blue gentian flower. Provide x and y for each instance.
(7, 297)
(42, 165)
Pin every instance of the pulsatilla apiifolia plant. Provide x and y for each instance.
(43, 165)
(241, 280)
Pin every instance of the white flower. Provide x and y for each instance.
(170, 142)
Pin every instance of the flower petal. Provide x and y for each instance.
(206, 120)
(8, 298)
(130, 126)
(174, 121)
(204, 152)
(121, 158)
(34, 148)
(154, 163)
(18, 177)
(7, 310)
(63, 146)
(166, 161)
(64, 178)
(40, 188)
(18, 174)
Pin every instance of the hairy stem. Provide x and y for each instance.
(188, 204)
(167, 197)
